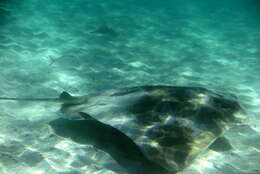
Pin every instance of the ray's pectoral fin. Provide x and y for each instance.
(221, 144)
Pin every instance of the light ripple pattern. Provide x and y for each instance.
(84, 47)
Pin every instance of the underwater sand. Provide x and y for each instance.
(51, 46)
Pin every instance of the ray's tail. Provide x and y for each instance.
(31, 99)
(63, 98)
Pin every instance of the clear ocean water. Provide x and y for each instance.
(84, 46)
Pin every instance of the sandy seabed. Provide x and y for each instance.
(45, 50)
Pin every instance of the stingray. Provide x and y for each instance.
(106, 31)
(170, 126)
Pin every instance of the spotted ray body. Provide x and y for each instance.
(171, 125)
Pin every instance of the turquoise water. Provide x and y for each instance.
(83, 46)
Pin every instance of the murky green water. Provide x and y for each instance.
(85, 46)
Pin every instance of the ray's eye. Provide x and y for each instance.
(146, 103)
(166, 106)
